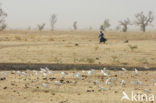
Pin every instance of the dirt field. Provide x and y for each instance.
(36, 87)
(78, 47)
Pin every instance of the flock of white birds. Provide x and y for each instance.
(110, 81)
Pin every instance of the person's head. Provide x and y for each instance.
(101, 32)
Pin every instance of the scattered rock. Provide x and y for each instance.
(126, 41)
(52, 79)
(97, 58)
(44, 78)
(3, 78)
(53, 93)
(78, 94)
(5, 88)
(76, 44)
(61, 80)
(115, 91)
(89, 91)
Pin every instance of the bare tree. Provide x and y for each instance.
(143, 21)
(41, 27)
(125, 24)
(118, 27)
(105, 25)
(3, 15)
(53, 21)
(75, 25)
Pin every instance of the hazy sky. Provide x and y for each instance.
(24, 13)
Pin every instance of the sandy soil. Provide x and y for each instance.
(78, 47)
(26, 87)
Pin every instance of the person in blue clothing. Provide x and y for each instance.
(101, 37)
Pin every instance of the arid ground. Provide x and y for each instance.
(131, 49)
(27, 87)
(78, 47)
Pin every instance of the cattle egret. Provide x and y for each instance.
(105, 74)
(136, 71)
(45, 85)
(90, 72)
(19, 72)
(102, 71)
(97, 82)
(58, 83)
(47, 69)
(108, 81)
(124, 69)
(63, 73)
(123, 82)
(45, 74)
(78, 75)
(25, 74)
(43, 70)
(104, 89)
(83, 71)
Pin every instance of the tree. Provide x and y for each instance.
(143, 21)
(118, 27)
(75, 25)
(125, 24)
(3, 15)
(53, 21)
(41, 27)
(105, 25)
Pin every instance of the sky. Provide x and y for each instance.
(88, 13)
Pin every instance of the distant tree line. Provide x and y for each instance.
(3, 15)
(141, 20)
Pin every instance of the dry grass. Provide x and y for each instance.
(80, 47)
(20, 89)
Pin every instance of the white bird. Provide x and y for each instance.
(123, 82)
(36, 73)
(136, 71)
(25, 74)
(90, 72)
(63, 74)
(19, 72)
(97, 82)
(78, 75)
(102, 71)
(43, 70)
(83, 71)
(140, 83)
(45, 85)
(104, 68)
(46, 68)
(104, 89)
(58, 83)
(105, 74)
(45, 74)
(124, 69)
(108, 81)
(50, 72)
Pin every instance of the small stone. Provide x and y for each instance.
(5, 88)
(115, 91)
(88, 90)
(76, 44)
